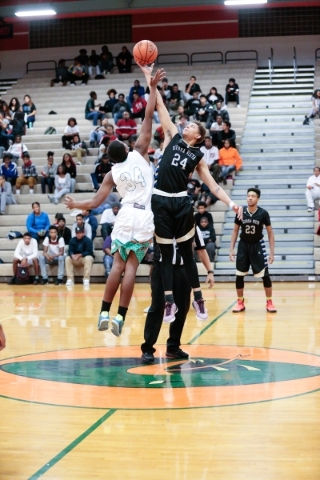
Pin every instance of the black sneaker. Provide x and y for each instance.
(44, 281)
(147, 357)
(12, 281)
(177, 354)
(58, 281)
(36, 281)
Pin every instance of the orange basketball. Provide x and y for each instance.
(145, 52)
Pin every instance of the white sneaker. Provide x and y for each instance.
(69, 282)
(86, 282)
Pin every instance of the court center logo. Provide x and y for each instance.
(116, 378)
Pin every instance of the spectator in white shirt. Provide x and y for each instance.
(81, 223)
(313, 188)
(26, 254)
(210, 153)
(53, 253)
(158, 153)
(215, 128)
(108, 218)
(71, 129)
(17, 149)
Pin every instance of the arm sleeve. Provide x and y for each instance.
(200, 245)
(56, 181)
(88, 230)
(71, 248)
(68, 181)
(88, 248)
(47, 222)
(17, 251)
(29, 223)
(238, 159)
(34, 253)
(212, 233)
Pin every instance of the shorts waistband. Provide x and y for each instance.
(172, 195)
(137, 205)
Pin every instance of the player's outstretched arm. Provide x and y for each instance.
(169, 128)
(98, 199)
(271, 243)
(215, 189)
(234, 236)
(2, 338)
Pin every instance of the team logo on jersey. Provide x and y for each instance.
(116, 378)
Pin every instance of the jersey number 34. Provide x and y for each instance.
(176, 162)
(133, 182)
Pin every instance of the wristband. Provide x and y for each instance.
(210, 271)
(231, 204)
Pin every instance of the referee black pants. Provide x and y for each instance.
(181, 292)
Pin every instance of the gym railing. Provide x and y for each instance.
(295, 65)
(229, 53)
(271, 66)
(28, 69)
(165, 61)
(317, 54)
(211, 60)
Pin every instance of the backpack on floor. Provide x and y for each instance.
(22, 276)
(50, 131)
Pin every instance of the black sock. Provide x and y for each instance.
(169, 298)
(105, 306)
(197, 295)
(123, 312)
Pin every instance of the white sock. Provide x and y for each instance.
(31, 190)
(17, 192)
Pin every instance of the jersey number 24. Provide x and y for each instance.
(176, 162)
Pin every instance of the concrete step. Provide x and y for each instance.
(281, 237)
(280, 148)
(266, 91)
(281, 249)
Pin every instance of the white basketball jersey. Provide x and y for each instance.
(134, 179)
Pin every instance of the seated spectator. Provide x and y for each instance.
(218, 110)
(191, 88)
(9, 170)
(94, 60)
(90, 111)
(102, 168)
(61, 74)
(110, 103)
(108, 257)
(126, 127)
(53, 254)
(176, 118)
(159, 152)
(202, 212)
(132, 142)
(63, 231)
(232, 92)
(6, 134)
(226, 134)
(37, 222)
(48, 173)
(25, 255)
(138, 106)
(206, 196)
(209, 237)
(106, 60)
(107, 204)
(77, 72)
(120, 107)
(14, 105)
(110, 133)
(18, 124)
(6, 196)
(159, 135)
(17, 149)
(192, 105)
(29, 108)
(124, 61)
(183, 122)
(78, 149)
(193, 188)
(137, 88)
(6, 112)
(83, 58)
(210, 153)
(229, 160)
(315, 107)
(203, 110)
(81, 224)
(98, 133)
(71, 129)
(213, 96)
(62, 183)
(313, 189)
(71, 169)
(89, 218)
(108, 218)
(29, 175)
(103, 147)
(80, 254)
(174, 99)
(166, 88)
(215, 128)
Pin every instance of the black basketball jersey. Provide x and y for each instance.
(177, 163)
(252, 224)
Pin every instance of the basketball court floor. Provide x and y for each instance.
(78, 404)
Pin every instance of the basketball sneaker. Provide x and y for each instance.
(170, 310)
(270, 307)
(177, 354)
(147, 357)
(239, 307)
(103, 322)
(117, 326)
(201, 311)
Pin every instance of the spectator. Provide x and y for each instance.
(210, 153)
(98, 133)
(6, 112)
(176, 118)
(103, 167)
(226, 134)
(6, 197)
(204, 109)
(29, 175)
(110, 133)
(213, 96)
(137, 88)
(30, 110)
(108, 257)
(71, 129)
(218, 110)
(53, 253)
(103, 147)
(229, 160)
(120, 107)
(18, 123)
(25, 255)
(5, 132)
(37, 222)
(181, 125)
(209, 237)
(215, 128)
(110, 103)
(175, 98)
(106, 60)
(89, 218)
(132, 142)
(17, 149)
(192, 105)
(14, 105)
(232, 92)
(80, 254)
(62, 183)
(138, 106)
(48, 173)
(77, 72)
(81, 224)
(78, 149)
(83, 58)
(71, 168)
(63, 231)
(194, 188)
(166, 88)
(90, 111)
(9, 170)
(202, 212)
(191, 88)
(108, 218)
(61, 74)
(94, 60)
(159, 152)
(124, 61)
(313, 189)
(159, 135)
(126, 127)
(315, 107)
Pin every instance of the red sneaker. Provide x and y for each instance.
(270, 307)
(239, 307)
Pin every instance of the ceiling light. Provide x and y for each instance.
(244, 2)
(35, 13)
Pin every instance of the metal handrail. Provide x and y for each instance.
(187, 61)
(28, 69)
(295, 65)
(218, 60)
(226, 59)
(317, 54)
(271, 66)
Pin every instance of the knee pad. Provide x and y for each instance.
(267, 282)
(239, 282)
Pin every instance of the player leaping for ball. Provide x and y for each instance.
(173, 209)
(133, 228)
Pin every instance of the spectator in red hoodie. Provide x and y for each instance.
(126, 127)
(138, 106)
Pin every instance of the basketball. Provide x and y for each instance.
(145, 52)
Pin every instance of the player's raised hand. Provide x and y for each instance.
(238, 210)
(159, 75)
(232, 256)
(2, 338)
(146, 69)
(69, 202)
(271, 259)
(210, 280)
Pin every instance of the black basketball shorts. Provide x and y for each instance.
(254, 255)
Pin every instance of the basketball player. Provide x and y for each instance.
(173, 209)
(251, 248)
(2, 338)
(132, 173)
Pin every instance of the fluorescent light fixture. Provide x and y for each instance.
(35, 13)
(244, 2)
